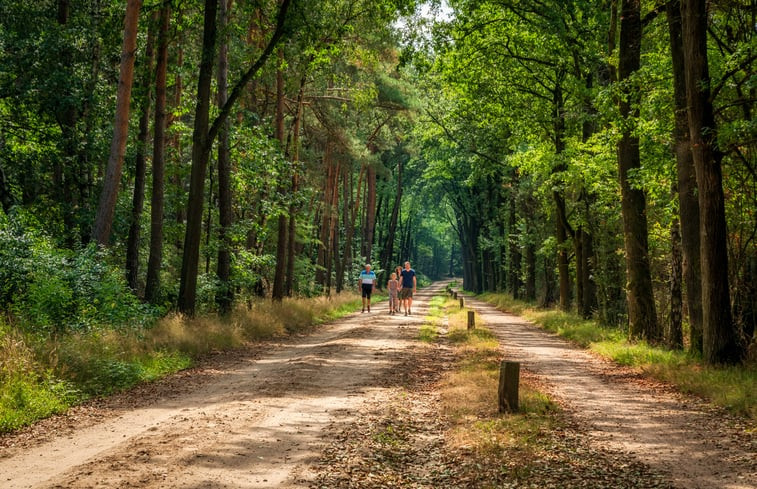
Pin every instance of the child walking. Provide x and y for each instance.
(393, 287)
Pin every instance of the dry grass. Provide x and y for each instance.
(469, 396)
(15, 356)
(264, 320)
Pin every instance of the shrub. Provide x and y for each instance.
(52, 291)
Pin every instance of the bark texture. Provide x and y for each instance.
(688, 201)
(155, 260)
(719, 333)
(642, 315)
(225, 294)
(107, 204)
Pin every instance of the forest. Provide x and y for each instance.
(201, 157)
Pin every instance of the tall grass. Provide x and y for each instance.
(731, 387)
(469, 397)
(43, 376)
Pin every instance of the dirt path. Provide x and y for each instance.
(264, 417)
(252, 423)
(672, 433)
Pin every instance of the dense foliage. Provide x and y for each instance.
(536, 111)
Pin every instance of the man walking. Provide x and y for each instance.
(367, 282)
(409, 285)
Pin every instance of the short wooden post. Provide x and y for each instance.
(509, 379)
(471, 320)
(462, 303)
(454, 294)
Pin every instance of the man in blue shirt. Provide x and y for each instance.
(367, 282)
(408, 284)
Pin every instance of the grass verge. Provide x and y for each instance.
(537, 447)
(469, 397)
(731, 387)
(39, 378)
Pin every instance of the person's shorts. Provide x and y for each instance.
(406, 293)
(367, 290)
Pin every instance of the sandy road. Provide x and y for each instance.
(258, 420)
(254, 424)
(671, 433)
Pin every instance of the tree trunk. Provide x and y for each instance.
(325, 232)
(580, 262)
(138, 201)
(589, 304)
(370, 213)
(179, 210)
(292, 224)
(332, 227)
(200, 155)
(563, 270)
(688, 201)
(349, 232)
(154, 263)
(225, 294)
(279, 274)
(107, 205)
(641, 307)
(515, 256)
(531, 272)
(388, 252)
(719, 332)
(674, 330)
(561, 222)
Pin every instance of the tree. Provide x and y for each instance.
(225, 295)
(688, 202)
(279, 276)
(202, 140)
(157, 201)
(641, 306)
(107, 206)
(140, 165)
(719, 334)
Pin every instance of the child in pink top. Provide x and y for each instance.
(393, 287)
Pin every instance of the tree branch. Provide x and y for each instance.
(236, 92)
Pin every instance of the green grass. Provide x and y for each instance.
(731, 387)
(430, 328)
(24, 399)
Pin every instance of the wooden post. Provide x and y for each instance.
(454, 294)
(509, 379)
(471, 320)
(462, 302)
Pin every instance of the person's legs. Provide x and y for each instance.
(366, 298)
(406, 300)
(367, 289)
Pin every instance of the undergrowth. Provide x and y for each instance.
(41, 376)
(731, 387)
